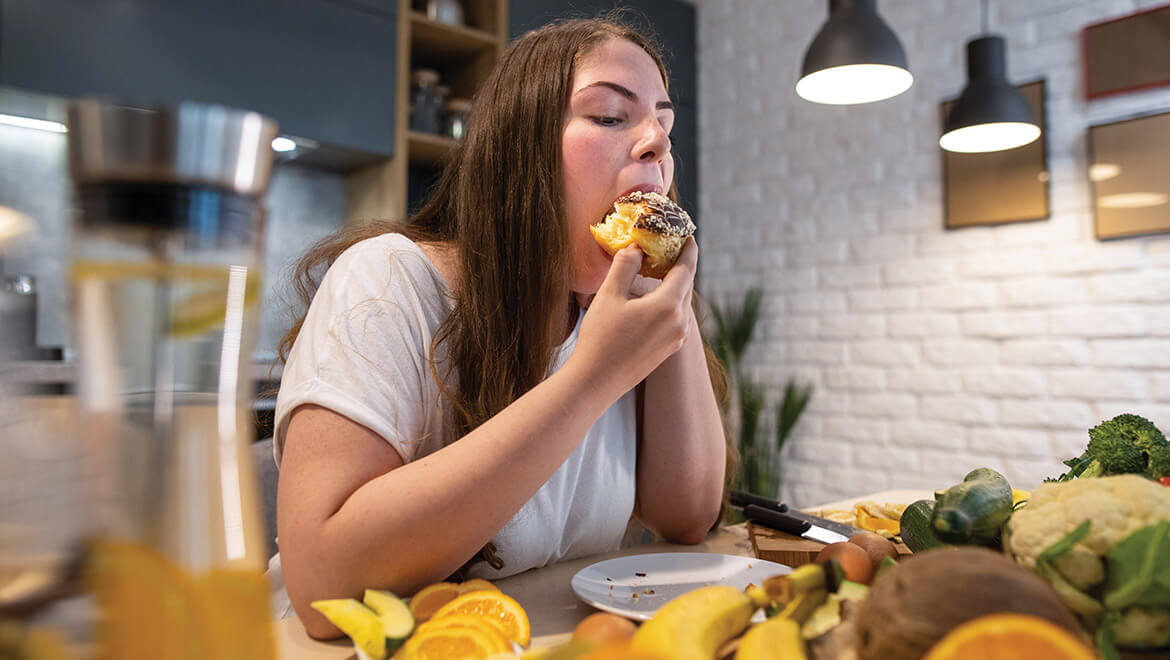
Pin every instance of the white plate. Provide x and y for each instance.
(637, 585)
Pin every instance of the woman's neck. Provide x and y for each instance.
(570, 319)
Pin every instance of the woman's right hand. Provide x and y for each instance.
(625, 336)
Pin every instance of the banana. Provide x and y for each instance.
(694, 625)
(777, 638)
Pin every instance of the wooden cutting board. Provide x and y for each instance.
(787, 549)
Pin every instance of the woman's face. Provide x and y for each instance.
(616, 140)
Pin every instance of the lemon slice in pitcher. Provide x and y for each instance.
(204, 302)
(200, 293)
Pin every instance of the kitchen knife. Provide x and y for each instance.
(789, 523)
(849, 531)
(740, 498)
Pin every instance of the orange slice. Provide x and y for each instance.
(449, 643)
(1010, 637)
(429, 599)
(497, 606)
(875, 524)
(476, 584)
(485, 625)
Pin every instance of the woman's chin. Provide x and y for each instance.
(588, 280)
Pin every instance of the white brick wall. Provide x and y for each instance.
(932, 351)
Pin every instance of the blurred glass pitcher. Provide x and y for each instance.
(165, 286)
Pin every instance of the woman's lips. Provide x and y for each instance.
(644, 187)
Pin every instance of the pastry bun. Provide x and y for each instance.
(659, 226)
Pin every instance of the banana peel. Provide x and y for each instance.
(802, 606)
(781, 589)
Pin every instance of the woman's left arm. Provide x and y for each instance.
(681, 446)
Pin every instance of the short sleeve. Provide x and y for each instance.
(363, 348)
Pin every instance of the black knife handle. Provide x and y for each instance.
(740, 498)
(776, 520)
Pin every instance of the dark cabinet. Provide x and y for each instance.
(323, 68)
(673, 24)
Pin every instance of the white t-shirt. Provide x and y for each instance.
(362, 352)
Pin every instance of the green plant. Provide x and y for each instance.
(791, 406)
(734, 326)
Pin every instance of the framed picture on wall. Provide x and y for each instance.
(1128, 53)
(999, 187)
(1130, 174)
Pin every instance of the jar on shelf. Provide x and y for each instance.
(442, 93)
(456, 114)
(445, 11)
(424, 101)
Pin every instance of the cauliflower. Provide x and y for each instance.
(1117, 506)
(1134, 628)
(1103, 544)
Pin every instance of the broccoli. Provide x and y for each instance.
(1114, 451)
(1126, 444)
(1159, 465)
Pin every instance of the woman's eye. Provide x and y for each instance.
(606, 121)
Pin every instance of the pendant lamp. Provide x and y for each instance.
(990, 114)
(855, 58)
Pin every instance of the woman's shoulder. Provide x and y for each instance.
(383, 249)
(387, 259)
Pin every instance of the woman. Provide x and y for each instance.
(487, 377)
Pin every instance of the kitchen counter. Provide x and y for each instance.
(553, 609)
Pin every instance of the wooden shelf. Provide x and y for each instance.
(429, 149)
(463, 56)
(435, 39)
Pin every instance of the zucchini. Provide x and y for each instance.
(973, 511)
(916, 531)
(393, 614)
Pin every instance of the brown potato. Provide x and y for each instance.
(876, 546)
(855, 561)
(603, 627)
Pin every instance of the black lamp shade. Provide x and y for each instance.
(855, 58)
(988, 98)
(853, 34)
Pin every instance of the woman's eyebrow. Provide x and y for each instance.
(626, 92)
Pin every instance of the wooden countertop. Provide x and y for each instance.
(553, 609)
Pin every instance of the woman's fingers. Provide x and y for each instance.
(644, 285)
(622, 271)
(681, 278)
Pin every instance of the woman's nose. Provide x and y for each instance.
(653, 144)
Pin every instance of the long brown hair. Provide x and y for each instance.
(499, 202)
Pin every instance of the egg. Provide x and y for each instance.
(853, 559)
(603, 627)
(876, 546)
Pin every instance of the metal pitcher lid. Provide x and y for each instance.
(189, 143)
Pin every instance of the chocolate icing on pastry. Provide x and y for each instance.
(659, 226)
